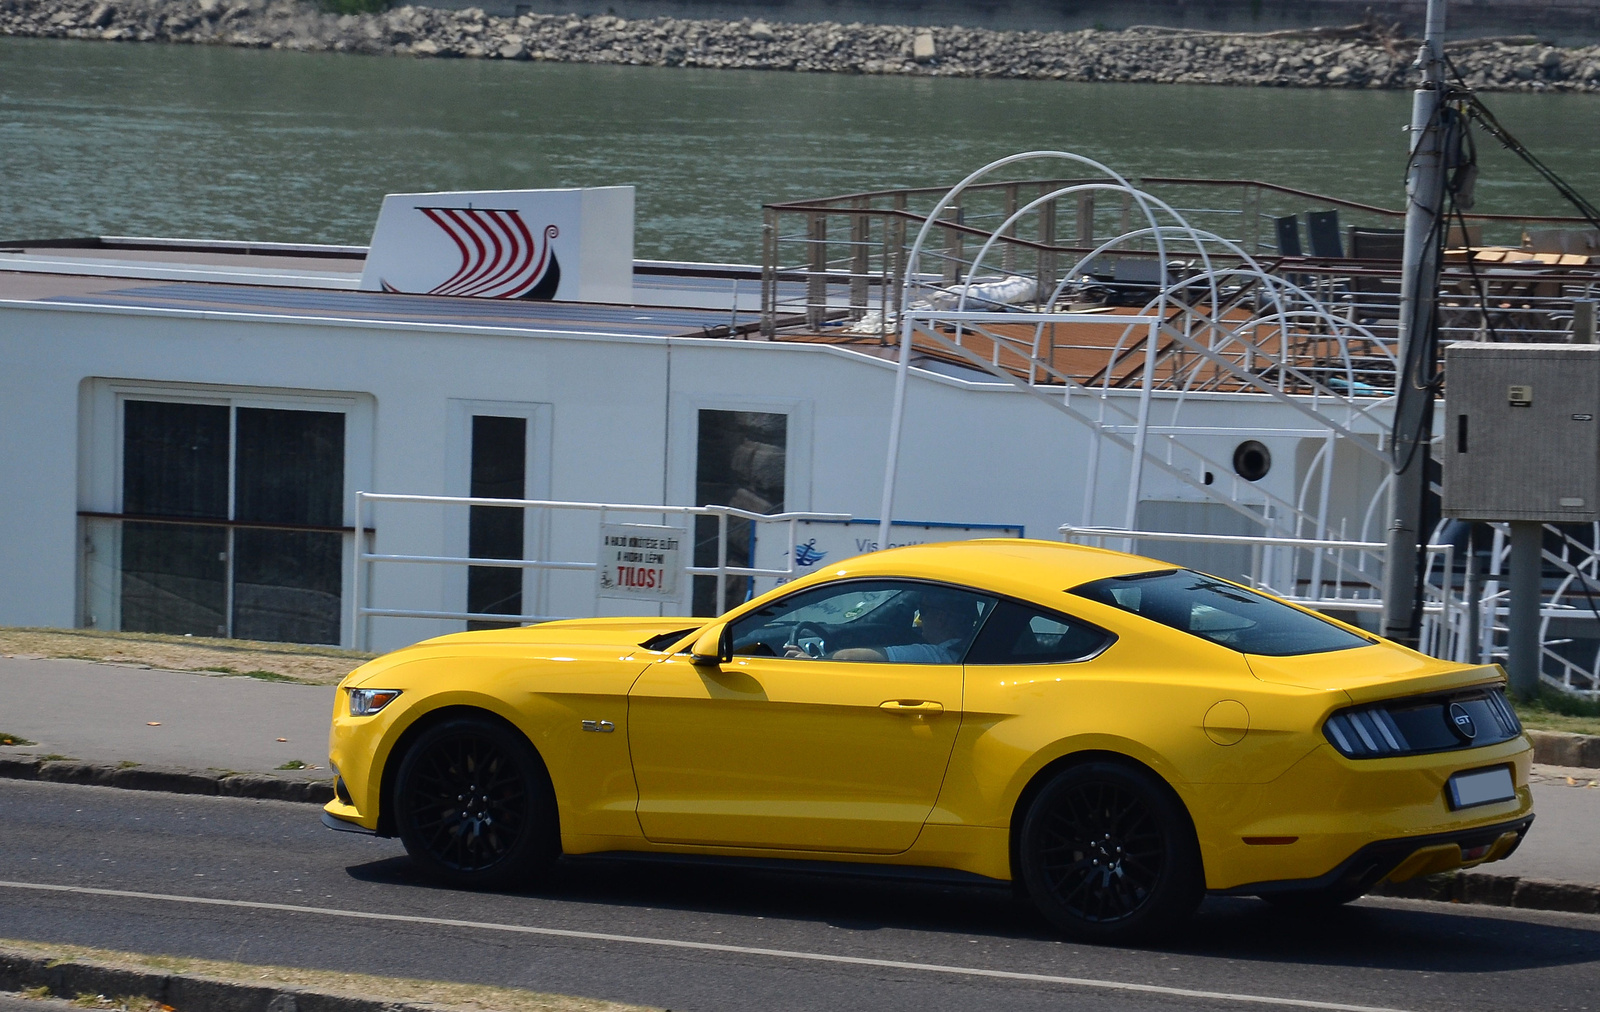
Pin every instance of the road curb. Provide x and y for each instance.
(1563, 748)
(1498, 891)
(169, 779)
(66, 978)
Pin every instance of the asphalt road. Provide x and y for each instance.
(274, 886)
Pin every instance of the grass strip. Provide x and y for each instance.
(1552, 710)
(348, 985)
(275, 662)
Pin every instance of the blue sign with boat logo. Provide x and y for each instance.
(808, 555)
(833, 541)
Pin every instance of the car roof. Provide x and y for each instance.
(1015, 566)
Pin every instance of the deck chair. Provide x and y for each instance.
(1377, 243)
(1323, 227)
(1376, 300)
(1289, 235)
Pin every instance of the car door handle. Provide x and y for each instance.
(911, 706)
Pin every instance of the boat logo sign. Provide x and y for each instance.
(540, 245)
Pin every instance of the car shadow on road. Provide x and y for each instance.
(1414, 936)
(1382, 934)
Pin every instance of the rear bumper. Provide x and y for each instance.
(1401, 859)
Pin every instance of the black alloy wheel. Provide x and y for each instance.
(474, 806)
(1108, 854)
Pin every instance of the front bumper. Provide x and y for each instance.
(355, 748)
(345, 826)
(1402, 859)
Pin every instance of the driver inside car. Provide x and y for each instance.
(944, 621)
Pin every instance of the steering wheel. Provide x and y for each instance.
(810, 631)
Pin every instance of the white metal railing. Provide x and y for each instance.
(1225, 321)
(1465, 622)
(363, 559)
(1571, 602)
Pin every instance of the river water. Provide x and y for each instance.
(131, 139)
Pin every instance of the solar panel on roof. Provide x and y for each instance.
(644, 320)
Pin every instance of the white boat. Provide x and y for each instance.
(190, 426)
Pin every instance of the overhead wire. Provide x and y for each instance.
(1460, 179)
(1480, 114)
(1420, 352)
(1458, 109)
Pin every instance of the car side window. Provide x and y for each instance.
(1020, 634)
(897, 621)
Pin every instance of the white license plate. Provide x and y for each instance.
(1481, 787)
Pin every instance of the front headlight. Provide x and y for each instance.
(366, 702)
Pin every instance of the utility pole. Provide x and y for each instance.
(1524, 651)
(1419, 288)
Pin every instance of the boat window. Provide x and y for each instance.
(1221, 612)
(268, 567)
(899, 621)
(740, 460)
(288, 469)
(1019, 634)
(499, 471)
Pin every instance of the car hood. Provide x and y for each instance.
(601, 637)
(621, 632)
(1379, 671)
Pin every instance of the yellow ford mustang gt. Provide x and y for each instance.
(1114, 735)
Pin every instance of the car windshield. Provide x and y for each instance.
(836, 608)
(1214, 610)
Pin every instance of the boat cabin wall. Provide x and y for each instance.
(603, 419)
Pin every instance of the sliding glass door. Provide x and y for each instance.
(232, 520)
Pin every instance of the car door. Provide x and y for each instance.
(840, 746)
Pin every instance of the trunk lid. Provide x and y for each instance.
(1379, 671)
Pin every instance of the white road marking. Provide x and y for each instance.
(675, 943)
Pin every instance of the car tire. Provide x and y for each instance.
(1108, 854)
(474, 805)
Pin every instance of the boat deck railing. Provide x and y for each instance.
(1071, 289)
(834, 270)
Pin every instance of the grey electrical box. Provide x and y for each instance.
(1521, 441)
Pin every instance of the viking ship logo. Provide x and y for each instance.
(500, 258)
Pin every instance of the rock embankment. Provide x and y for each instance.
(1355, 57)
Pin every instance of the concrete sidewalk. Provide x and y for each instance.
(113, 713)
(1564, 843)
(108, 713)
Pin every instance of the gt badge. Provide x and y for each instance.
(602, 726)
(1461, 722)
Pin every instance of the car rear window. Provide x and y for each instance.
(1214, 610)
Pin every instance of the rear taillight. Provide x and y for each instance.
(1422, 724)
(1366, 733)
